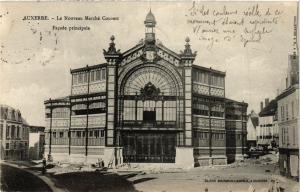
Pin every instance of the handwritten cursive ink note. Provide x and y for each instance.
(227, 23)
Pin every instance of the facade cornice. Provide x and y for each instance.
(288, 122)
(87, 68)
(209, 70)
(58, 100)
(164, 48)
(133, 49)
(287, 91)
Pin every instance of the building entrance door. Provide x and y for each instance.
(149, 147)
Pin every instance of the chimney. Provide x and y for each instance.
(261, 106)
(266, 102)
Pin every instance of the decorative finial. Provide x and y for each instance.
(112, 48)
(188, 51)
(187, 40)
(112, 38)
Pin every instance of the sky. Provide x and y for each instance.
(35, 60)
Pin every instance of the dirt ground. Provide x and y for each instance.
(249, 176)
(258, 175)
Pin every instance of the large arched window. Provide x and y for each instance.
(150, 97)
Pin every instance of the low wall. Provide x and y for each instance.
(112, 156)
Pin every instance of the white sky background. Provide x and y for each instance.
(34, 68)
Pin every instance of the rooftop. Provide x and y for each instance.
(269, 110)
(254, 118)
(150, 19)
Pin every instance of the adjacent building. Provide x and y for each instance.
(288, 118)
(267, 132)
(36, 142)
(252, 128)
(148, 104)
(14, 134)
(236, 130)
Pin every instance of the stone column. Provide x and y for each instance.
(184, 155)
(112, 57)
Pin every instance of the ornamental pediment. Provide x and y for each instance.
(151, 55)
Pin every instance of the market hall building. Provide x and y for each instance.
(146, 105)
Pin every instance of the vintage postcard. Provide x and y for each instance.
(149, 96)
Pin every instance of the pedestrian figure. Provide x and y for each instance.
(100, 163)
(44, 166)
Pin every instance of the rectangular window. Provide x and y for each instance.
(294, 135)
(96, 133)
(283, 113)
(74, 79)
(194, 76)
(86, 77)
(217, 136)
(287, 136)
(78, 134)
(80, 78)
(7, 146)
(293, 113)
(91, 134)
(97, 75)
(103, 74)
(201, 77)
(61, 134)
(287, 112)
(1, 131)
(54, 134)
(12, 135)
(206, 135)
(102, 133)
(200, 135)
(18, 132)
(222, 82)
(216, 83)
(283, 136)
(206, 78)
(93, 76)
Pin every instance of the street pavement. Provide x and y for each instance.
(259, 175)
(15, 179)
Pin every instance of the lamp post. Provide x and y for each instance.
(50, 132)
